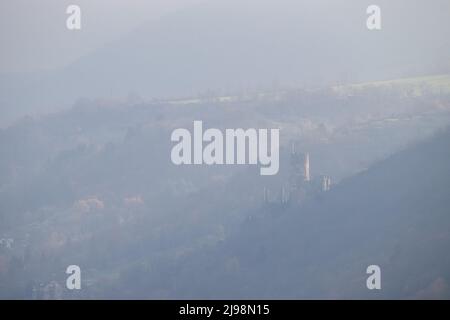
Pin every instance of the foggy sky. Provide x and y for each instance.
(33, 34)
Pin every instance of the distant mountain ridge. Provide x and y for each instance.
(395, 215)
(222, 45)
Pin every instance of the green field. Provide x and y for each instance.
(417, 85)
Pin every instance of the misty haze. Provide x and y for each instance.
(359, 175)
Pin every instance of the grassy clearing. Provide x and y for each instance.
(417, 85)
